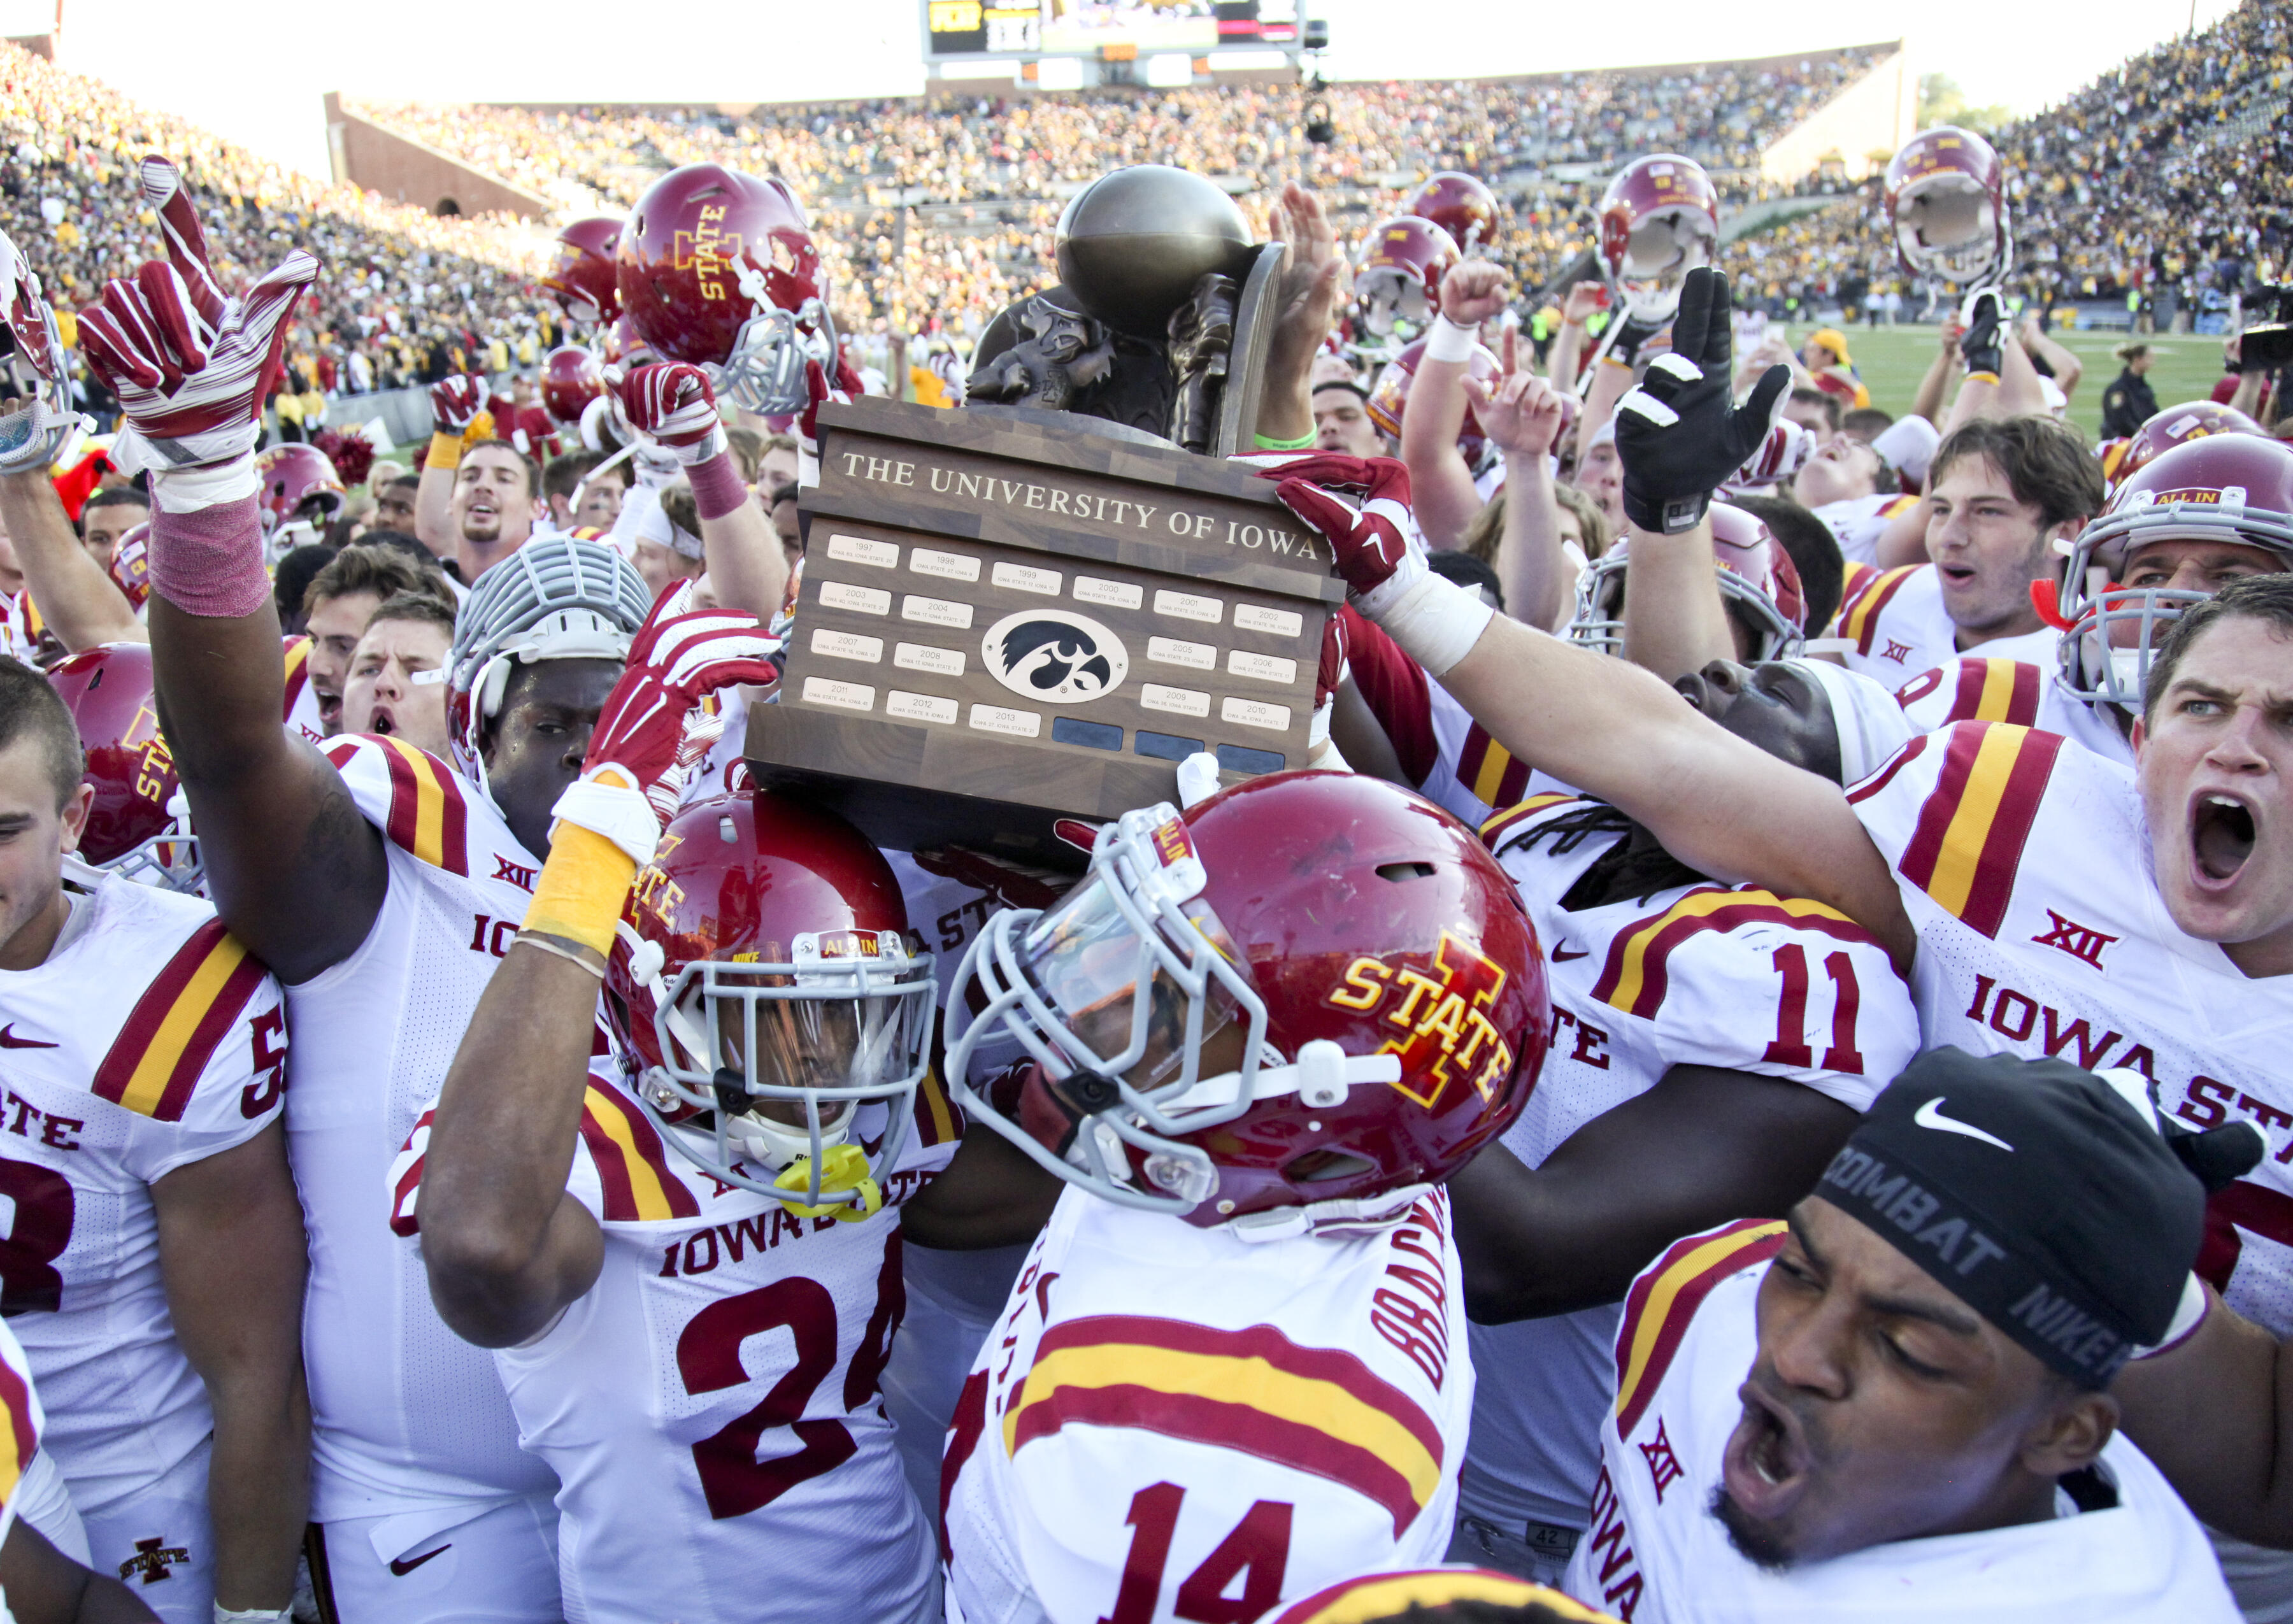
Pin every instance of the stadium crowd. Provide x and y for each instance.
(1704, 1048)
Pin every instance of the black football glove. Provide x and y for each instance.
(1983, 345)
(1679, 438)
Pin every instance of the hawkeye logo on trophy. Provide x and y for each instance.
(1032, 609)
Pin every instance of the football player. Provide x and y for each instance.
(1253, 1040)
(2044, 900)
(2183, 525)
(41, 1581)
(155, 1255)
(1711, 1049)
(618, 1228)
(373, 880)
(1926, 1428)
(2004, 498)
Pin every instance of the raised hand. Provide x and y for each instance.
(1369, 538)
(1677, 434)
(633, 776)
(190, 367)
(1474, 292)
(1521, 413)
(456, 401)
(672, 404)
(1313, 284)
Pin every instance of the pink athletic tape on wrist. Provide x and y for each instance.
(716, 486)
(210, 562)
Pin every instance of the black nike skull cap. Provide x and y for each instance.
(2037, 1193)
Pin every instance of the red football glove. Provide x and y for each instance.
(1369, 538)
(189, 367)
(807, 425)
(675, 660)
(456, 401)
(672, 404)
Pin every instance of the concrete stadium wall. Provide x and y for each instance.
(409, 171)
(1861, 127)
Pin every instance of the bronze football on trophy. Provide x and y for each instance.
(1133, 244)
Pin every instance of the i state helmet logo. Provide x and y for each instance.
(1054, 654)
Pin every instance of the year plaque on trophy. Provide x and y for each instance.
(1006, 621)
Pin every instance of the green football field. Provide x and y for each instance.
(1892, 361)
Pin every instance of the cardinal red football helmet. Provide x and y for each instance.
(131, 827)
(584, 280)
(2232, 487)
(1390, 399)
(1295, 1006)
(571, 378)
(1399, 281)
(2173, 426)
(300, 491)
(762, 977)
(1659, 220)
(1946, 194)
(1758, 582)
(717, 269)
(1461, 206)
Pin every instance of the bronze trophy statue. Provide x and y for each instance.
(1160, 284)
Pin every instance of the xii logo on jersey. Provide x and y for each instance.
(1442, 1032)
(2080, 941)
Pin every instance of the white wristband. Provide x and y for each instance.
(1436, 622)
(1446, 341)
(186, 491)
(618, 811)
(252, 1615)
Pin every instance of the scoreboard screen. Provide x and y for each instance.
(954, 30)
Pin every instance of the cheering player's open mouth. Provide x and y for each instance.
(1764, 1469)
(2221, 833)
(383, 722)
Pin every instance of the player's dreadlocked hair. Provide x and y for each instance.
(1623, 869)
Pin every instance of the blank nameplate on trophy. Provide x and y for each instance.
(1005, 621)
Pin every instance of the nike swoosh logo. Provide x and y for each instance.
(9, 1040)
(1929, 1115)
(1561, 956)
(401, 1569)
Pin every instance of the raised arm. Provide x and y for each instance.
(1441, 486)
(506, 1246)
(1313, 287)
(1718, 803)
(1521, 416)
(296, 873)
(77, 599)
(674, 406)
(454, 403)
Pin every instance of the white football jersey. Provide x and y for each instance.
(710, 1405)
(302, 701)
(2010, 691)
(1896, 621)
(404, 1414)
(1857, 523)
(1657, 1555)
(1448, 757)
(1173, 1423)
(24, 1425)
(1703, 975)
(2023, 861)
(149, 1039)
